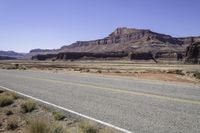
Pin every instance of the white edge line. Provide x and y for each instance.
(71, 111)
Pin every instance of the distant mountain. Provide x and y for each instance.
(11, 54)
(128, 40)
(124, 39)
(7, 58)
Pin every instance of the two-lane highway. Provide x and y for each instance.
(135, 105)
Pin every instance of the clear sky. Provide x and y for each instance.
(28, 24)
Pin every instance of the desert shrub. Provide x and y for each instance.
(5, 100)
(1, 91)
(87, 70)
(12, 125)
(8, 112)
(58, 116)
(87, 127)
(170, 71)
(39, 126)
(179, 72)
(23, 67)
(197, 75)
(12, 94)
(78, 69)
(58, 129)
(13, 66)
(16, 66)
(28, 106)
(117, 72)
(99, 71)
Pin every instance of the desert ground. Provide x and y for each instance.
(167, 71)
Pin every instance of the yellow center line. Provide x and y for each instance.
(156, 96)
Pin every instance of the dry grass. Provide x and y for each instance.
(58, 129)
(99, 71)
(41, 126)
(14, 66)
(12, 124)
(8, 112)
(28, 106)
(58, 116)
(11, 94)
(6, 100)
(196, 75)
(1, 91)
(87, 127)
(38, 126)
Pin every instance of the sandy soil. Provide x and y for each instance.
(140, 70)
(159, 77)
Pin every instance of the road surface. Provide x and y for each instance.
(139, 106)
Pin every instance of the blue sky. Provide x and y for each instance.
(28, 24)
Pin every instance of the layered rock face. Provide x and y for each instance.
(81, 55)
(122, 39)
(193, 53)
(137, 43)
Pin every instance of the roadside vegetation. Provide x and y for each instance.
(58, 116)
(12, 124)
(11, 94)
(15, 66)
(19, 114)
(87, 127)
(41, 126)
(28, 106)
(197, 75)
(6, 100)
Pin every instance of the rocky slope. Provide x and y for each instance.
(193, 53)
(138, 43)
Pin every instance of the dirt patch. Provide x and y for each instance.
(156, 76)
(141, 70)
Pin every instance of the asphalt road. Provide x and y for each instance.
(139, 106)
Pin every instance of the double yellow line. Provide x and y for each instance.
(155, 96)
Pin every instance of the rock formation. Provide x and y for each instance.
(193, 53)
(137, 43)
(80, 55)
